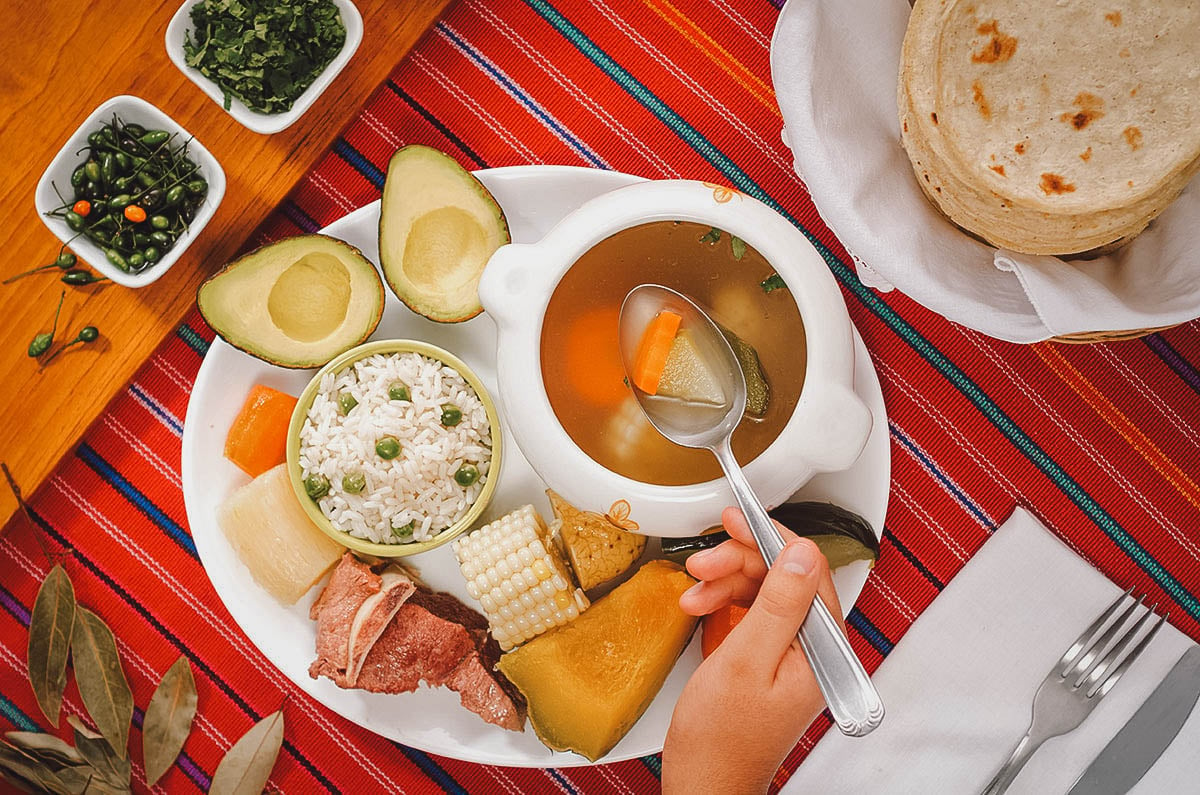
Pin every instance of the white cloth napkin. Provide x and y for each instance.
(959, 686)
(835, 64)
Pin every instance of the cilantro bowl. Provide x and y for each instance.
(180, 28)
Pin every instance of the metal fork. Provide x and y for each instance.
(1078, 681)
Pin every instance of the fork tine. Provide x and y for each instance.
(1084, 640)
(1100, 683)
(1119, 644)
(1098, 645)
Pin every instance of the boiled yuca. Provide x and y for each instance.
(1052, 128)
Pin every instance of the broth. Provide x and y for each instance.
(581, 363)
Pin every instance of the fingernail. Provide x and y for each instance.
(695, 589)
(798, 557)
(704, 553)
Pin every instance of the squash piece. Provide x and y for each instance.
(285, 552)
(598, 549)
(257, 440)
(589, 681)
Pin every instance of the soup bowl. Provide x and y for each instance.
(825, 432)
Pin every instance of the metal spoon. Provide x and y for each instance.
(853, 701)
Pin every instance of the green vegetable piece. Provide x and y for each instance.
(88, 334)
(95, 139)
(74, 220)
(197, 187)
(772, 283)
(108, 168)
(41, 342)
(123, 162)
(151, 254)
(387, 447)
(135, 129)
(65, 260)
(79, 276)
(91, 170)
(146, 179)
(316, 486)
(136, 260)
(174, 195)
(758, 389)
(118, 261)
(346, 402)
(404, 534)
(713, 235)
(120, 201)
(354, 482)
(739, 247)
(398, 390)
(78, 177)
(160, 222)
(466, 475)
(451, 415)
(161, 238)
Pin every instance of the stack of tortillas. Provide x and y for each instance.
(1052, 127)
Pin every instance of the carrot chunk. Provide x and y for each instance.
(257, 439)
(718, 625)
(655, 347)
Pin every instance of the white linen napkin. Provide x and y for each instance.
(835, 64)
(959, 685)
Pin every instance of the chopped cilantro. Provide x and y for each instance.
(739, 247)
(772, 282)
(265, 53)
(713, 235)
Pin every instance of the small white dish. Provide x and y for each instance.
(131, 110)
(181, 25)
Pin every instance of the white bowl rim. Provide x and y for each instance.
(264, 123)
(62, 164)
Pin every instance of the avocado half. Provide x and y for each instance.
(295, 303)
(438, 226)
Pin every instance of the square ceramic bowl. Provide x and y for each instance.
(266, 123)
(300, 414)
(129, 109)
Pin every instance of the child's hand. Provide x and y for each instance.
(748, 704)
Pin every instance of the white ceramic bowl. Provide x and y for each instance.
(827, 429)
(132, 110)
(181, 24)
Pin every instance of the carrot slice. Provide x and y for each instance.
(653, 351)
(718, 625)
(257, 440)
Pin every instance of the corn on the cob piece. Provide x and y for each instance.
(514, 569)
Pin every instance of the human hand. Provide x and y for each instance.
(748, 704)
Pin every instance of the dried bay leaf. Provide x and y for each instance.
(50, 633)
(46, 747)
(102, 684)
(168, 719)
(30, 770)
(247, 765)
(110, 773)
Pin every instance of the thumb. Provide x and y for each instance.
(782, 602)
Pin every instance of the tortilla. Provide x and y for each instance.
(1052, 128)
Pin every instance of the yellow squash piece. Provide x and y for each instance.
(270, 533)
(599, 550)
(589, 681)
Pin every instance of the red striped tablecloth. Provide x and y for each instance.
(1099, 441)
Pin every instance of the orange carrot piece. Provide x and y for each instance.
(653, 351)
(257, 439)
(718, 625)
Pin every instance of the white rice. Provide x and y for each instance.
(417, 486)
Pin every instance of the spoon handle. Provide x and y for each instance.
(851, 696)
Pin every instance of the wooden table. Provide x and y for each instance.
(61, 60)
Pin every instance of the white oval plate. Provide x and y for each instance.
(534, 198)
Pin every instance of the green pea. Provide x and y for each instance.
(151, 254)
(154, 137)
(118, 261)
(66, 260)
(316, 486)
(346, 402)
(160, 222)
(175, 195)
(88, 334)
(91, 170)
(398, 390)
(466, 475)
(120, 202)
(387, 447)
(354, 482)
(40, 344)
(74, 220)
(404, 534)
(137, 260)
(451, 415)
